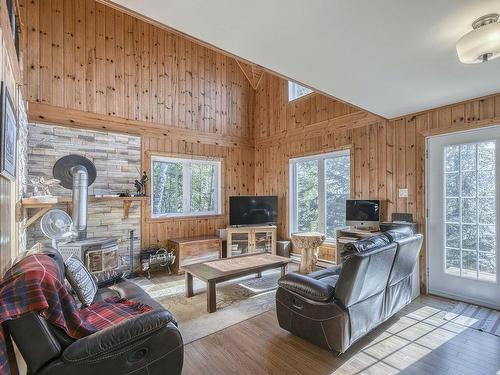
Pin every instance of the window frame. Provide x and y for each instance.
(292, 83)
(186, 185)
(293, 198)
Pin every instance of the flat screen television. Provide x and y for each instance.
(362, 213)
(249, 210)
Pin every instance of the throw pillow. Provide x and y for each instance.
(81, 280)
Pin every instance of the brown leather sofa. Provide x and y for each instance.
(335, 307)
(148, 344)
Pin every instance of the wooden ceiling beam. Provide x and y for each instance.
(52, 115)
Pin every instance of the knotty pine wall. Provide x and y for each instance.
(237, 179)
(89, 65)
(84, 55)
(385, 154)
(310, 125)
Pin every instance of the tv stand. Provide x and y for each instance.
(249, 239)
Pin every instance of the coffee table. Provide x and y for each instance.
(216, 271)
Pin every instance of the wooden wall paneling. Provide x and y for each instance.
(153, 96)
(372, 161)
(135, 101)
(48, 114)
(215, 126)
(132, 69)
(421, 125)
(110, 61)
(237, 177)
(129, 67)
(80, 54)
(57, 64)
(181, 61)
(31, 75)
(44, 45)
(100, 59)
(381, 167)
(119, 58)
(145, 57)
(68, 73)
(400, 174)
(410, 165)
(390, 168)
(90, 56)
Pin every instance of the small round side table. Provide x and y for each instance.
(308, 243)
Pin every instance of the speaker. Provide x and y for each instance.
(399, 216)
(385, 226)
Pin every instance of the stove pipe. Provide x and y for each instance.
(80, 200)
(77, 173)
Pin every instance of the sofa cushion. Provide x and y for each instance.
(81, 280)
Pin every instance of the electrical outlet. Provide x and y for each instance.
(403, 193)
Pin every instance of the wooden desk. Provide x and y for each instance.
(345, 236)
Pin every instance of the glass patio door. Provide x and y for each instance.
(462, 225)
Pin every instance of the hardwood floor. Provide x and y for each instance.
(416, 341)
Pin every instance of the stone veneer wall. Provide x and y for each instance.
(117, 158)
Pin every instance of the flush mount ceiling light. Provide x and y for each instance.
(481, 44)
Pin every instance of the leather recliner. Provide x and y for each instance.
(147, 344)
(335, 307)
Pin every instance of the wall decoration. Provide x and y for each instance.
(8, 134)
(141, 185)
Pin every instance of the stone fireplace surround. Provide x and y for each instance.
(117, 158)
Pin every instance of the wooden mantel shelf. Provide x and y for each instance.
(43, 207)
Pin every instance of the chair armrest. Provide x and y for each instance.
(117, 337)
(307, 287)
(327, 272)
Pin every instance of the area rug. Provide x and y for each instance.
(237, 300)
(476, 317)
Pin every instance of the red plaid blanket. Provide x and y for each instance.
(36, 284)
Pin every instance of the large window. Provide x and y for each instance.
(296, 91)
(185, 187)
(319, 187)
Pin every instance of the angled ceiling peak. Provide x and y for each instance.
(252, 72)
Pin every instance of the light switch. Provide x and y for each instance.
(403, 193)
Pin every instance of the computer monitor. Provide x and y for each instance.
(361, 213)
